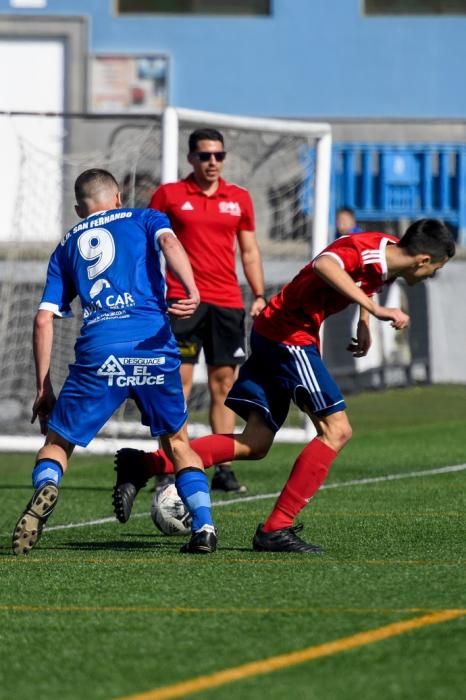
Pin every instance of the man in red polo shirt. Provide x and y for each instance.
(211, 217)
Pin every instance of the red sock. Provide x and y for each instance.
(213, 449)
(308, 474)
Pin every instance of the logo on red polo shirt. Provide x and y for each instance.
(232, 208)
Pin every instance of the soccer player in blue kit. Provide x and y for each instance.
(111, 261)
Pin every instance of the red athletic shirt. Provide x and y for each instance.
(207, 227)
(295, 314)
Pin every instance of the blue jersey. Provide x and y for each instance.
(111, 260)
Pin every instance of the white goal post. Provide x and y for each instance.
(286, 141)
(319, 132)
(285, 164)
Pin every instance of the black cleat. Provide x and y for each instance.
(29, 527)
(131, 478)
(201, 542)
(225, 479)
(284, 540)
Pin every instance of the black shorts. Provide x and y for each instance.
(218, 330)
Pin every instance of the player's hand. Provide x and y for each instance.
(359, 346)
(42, 408)
(184, 308)
(398, 318)
(257, 305)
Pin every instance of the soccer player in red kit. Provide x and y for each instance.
(285, 363)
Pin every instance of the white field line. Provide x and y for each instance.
(263, 496)
(136, 436)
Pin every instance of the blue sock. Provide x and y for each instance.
(193, 487)
(46, 470)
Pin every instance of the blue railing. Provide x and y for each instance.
(391, 181)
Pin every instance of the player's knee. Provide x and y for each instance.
(54, 446)
(337, 431)
(256, 445)
(258, 451)
(257, 437)
(220, 391)
(177, 448)
(220, 381)
(342, 436)
(345, 434)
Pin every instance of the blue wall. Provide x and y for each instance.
(311, 58)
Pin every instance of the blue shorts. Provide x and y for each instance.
(102, 378)
(276, 374)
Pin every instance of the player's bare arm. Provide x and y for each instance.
(253, 270)
(42, 347)
(329, 269)
(178, 262)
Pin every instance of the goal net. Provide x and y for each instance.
(284, 164)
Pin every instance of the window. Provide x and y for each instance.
(194, 7)
(414, 7)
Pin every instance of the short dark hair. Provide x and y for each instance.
(93, 176)
(203, 135)
(429, 236)
(346, 210)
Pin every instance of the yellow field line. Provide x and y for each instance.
(275, 663)
(144, 609)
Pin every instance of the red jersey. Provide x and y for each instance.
(295, 314)
(208, 228)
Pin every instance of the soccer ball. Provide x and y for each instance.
(169, 513)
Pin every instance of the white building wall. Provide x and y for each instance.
(447, 324)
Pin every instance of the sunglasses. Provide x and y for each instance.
(205, 156)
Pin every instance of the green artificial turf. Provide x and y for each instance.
(107, 611)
